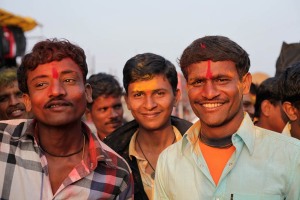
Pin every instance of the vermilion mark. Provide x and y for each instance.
(202, 46)
(208, 72)
(54, 73)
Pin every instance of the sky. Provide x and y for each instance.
(111, 32)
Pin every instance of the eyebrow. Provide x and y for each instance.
(155, 90)
(46, 76)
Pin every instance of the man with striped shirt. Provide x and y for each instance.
(55, 155)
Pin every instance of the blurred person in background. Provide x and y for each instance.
(106, 110)
(11, 98)
(268, 108)
(289, 87)
(249, 101)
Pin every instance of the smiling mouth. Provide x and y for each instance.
(17, 112)
(152, 115)
(212, 105)
(57, 105)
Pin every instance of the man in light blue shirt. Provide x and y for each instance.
(223, 155)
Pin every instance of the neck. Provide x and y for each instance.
(220, 143)
(101, 135)
(59, 141)
(223, 130)
(156, 139)
(261, 124)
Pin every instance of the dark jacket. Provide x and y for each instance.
(119, 141)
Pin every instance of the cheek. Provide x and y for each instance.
(3, 108)
(120, 112)
(133, 104)
(97, 117)
(193, 92)
(78, 96)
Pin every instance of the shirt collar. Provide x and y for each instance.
(191, 138)
(287, 129)
(98, 151)
(244, 133)
(132, 148)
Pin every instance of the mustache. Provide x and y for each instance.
(57, 101)
(113, 121)
(19, 106)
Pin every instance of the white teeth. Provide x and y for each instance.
(212, 105)
(16, 111)
(53, 106)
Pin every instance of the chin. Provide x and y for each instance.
(214, 123)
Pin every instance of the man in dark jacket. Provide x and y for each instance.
(150, 82)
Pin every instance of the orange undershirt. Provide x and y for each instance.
(216, 159)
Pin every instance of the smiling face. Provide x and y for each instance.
(11, 102)
(151, 102)
(215, 92)
(57, 94)
(107, 114)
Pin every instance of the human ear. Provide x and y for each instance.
(265, 108)
(177, 97)
(27, 102)
(88, 93)
(246, 81)
(127, 101)
(289, 110)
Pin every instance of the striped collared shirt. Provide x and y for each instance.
(25, 175)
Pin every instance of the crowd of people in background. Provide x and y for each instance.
(66, 136)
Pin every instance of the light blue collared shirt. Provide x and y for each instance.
(265, 166)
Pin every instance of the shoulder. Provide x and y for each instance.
(282, 147)
(120, 138)
(181, 124)
(14, 127)
(173, 152)
(113, 159)
(116, 170)
(279, 138)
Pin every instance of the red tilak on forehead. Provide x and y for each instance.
(54, 73)
(203, 46)
(208, 72)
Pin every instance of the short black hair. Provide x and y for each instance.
(215, 48)
(289, 85)
(267, 90)
(104, 84)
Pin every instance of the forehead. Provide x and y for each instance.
(106, 100)
(157, 82)
(202, 69)
(55, 68)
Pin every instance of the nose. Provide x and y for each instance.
(150, 102)
(13, 100)
(56, 88)
(113, 113)
(210, 91)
